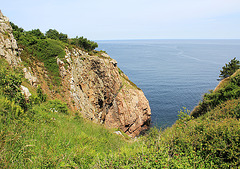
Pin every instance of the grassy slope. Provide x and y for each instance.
(42, 137)
(50, 139)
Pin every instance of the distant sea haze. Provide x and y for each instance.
(172, 73)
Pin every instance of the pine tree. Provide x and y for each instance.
(229, 68)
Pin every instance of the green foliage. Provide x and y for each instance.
(84, 43)
(56, 106)
(37, 33)
(9, 110)
(10, 87)
(229, 68)
(36, 45)
(17, 32)
(210, 100)
(54, 34)
(40, 94)
(47, 48)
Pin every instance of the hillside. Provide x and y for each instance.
(65, 105)
(69, 69)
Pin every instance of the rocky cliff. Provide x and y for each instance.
(8, 45)
(92, 84)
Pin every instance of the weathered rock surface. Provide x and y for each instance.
(9, 48)
(103, 94)
(25, 92)
(28, 75)
(8, 45)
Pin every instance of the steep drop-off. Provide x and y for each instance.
(92, 85)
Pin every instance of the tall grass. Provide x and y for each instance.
(51, 139)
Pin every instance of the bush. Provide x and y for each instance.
(84, 43)
(56, 106)
(10, 86)
(37, 46)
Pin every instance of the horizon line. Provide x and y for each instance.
(169, 39)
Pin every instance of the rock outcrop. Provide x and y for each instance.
(28, 75)
(9, 48)
(25, 92)
(8, 45)
(104, 94)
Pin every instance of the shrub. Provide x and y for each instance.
(56, 106)
(40, 94)
(10, 86)
(37, 46)
(84, 43)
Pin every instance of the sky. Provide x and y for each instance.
(129, 19)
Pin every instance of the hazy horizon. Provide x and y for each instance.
(134, 19)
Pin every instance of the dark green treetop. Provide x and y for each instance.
(229, 68)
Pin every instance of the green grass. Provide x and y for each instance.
(51, 139)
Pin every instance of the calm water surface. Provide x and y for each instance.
(172, 73)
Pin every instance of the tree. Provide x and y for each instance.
(52, 34)
(84, 43)
(37, 33)
(229, 68)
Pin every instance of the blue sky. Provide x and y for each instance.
(129, 19)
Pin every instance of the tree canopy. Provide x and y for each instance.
(229, 68)
(84, 43)
(54, 34)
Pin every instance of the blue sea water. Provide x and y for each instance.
(172, 73)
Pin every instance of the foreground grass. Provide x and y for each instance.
(49, 139)
(46, 139)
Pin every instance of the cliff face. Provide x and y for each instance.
(91, 84)
(103, 93)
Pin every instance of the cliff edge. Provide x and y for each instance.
(91, 84)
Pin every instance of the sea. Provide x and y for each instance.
(173, 74)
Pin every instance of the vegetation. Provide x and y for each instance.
(229, 68)
(230, 90)
(41, 133)
(46, 48)
(84, 43)
(54, 34)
